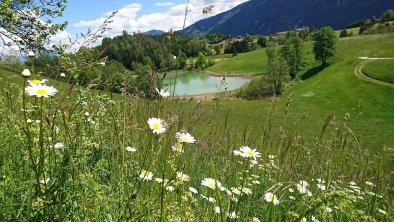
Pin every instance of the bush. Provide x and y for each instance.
(343, 34)
(256, 89)
(262, 41)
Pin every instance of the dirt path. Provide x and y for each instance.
(358, 71)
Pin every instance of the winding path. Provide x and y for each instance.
(359, 72)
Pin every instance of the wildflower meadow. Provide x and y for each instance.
(90, 136)
(75, 154)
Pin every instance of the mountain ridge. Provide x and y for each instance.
(269, 17)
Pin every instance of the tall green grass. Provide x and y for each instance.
(70, 158)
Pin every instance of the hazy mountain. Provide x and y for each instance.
(271, 16)
(154, 32)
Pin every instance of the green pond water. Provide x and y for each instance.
(196, 83)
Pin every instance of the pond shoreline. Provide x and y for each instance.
(202, 88)
(206, 97)
(244, 75)
(211, 73)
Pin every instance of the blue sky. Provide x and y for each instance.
(78, 10)
(136, 15)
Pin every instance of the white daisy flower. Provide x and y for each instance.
(256, 182)
(382, 211)
(235, 190)
(156, 125)
(246, 190)
(62, 74)
(26, 73)
(37, 82)
(321, 186)
(237, 153)
(314, 219)
(170, 188)
(185, 138)
(270, 197)
(328, 209)
(59, 146)
(211, 183)
(232, 215)
(234, 199)
(182, 177)
(217, 210)
(211, 199)
(31, 54)
(369, 183)
(162, 93)
(131, 149)
(255, 219)
(41, 91)
(302, 187)
(222, 188)
(193, 190)
(45, 180)
(249, 152)
(292, 198)
(146, 175)
(178, 148)
(160, 180)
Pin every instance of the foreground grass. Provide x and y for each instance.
(330, 127)
(381, 70)
(81, 156)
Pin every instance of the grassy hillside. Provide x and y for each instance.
(381, 70)
(245, 63)
(333, 89)
(355, 32)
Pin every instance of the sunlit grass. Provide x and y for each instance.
(78, 155)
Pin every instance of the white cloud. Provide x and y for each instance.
(7, 46)
(127, 18)
(62, 37)
(165, 4)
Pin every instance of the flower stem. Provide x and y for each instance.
(41, 138)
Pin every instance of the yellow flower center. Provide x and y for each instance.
(250, 153)
(211, 185)
(184, 139)
(35, 82)
(156, 126)
(42, 92)
(271, 197)
(146, 174)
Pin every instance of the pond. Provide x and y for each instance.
(196, 83)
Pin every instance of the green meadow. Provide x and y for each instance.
(382, 70)
(332, 89)
(322, 151)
